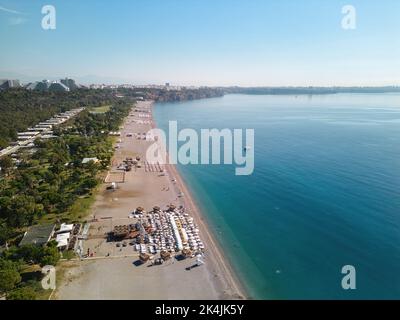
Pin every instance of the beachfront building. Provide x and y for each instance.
(58, 87)
(38, 235)
(43, 130)
(64, 85)
(39, 85)
(64, 235)
(37, 129)
(70, 83)
(47, 136)
(44, 125)
(28, 135)
(7, 84)
(87, 160)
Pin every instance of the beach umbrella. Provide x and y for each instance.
(139, 209)
(186, 253)
(171, 207)
(165, 255)
(144, 257)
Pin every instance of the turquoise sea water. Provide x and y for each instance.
(325, 192)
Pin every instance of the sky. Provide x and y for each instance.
(203, 42)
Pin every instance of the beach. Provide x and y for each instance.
(108, 271)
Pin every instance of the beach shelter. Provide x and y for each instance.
(144, 257)
(187, 253)
(171, 207)
(63, 243)
(199, 260)
(65, 228)
(165, 255)
(139, 210)
(62, 239)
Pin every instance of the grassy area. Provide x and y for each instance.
(32, 275)
(102, 109)
(68, 255)
(81, 207)
(78, 211)
(42, 294)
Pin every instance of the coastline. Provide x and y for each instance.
(214, 247)
(126, 280)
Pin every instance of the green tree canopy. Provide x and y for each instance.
(6, 163)
(9, 275)
(23, 293)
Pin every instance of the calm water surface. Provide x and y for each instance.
(324, 192)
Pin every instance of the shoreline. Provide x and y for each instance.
(215, 249)
(126, 279)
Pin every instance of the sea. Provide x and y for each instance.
(324, 194)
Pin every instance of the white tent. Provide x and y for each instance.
(62, 243)
(65, 228)
(62, 239)
(62, 236)
(199, 259)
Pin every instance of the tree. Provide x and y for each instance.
(21, 211)
(23, 293)
(89, 183)
(5, 231)
(50, 255)
(43, 183)
(9, 276)
(29, 253)
(6, 164)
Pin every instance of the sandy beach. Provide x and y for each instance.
(113, 272)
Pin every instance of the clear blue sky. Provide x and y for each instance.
(204, 42)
